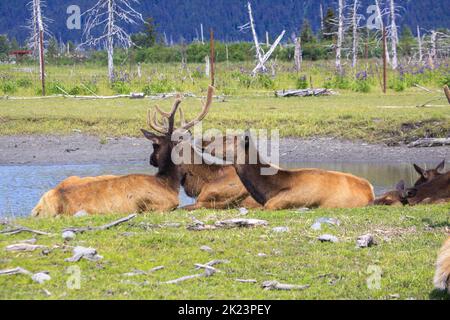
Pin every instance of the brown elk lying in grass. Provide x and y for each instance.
(442, 276)
(436, 191)
(288, 189)
(398, 198)
(125, 194)
(214, 186)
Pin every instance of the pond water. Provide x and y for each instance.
(22, 186)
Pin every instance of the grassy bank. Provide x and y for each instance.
(408, 241)
(370, 117)
(360, 111)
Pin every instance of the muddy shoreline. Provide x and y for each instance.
(84, 149)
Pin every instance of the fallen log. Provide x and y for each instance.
(275, 285)
(24, 247)
(422, 88)
(101, 228)
(9, 272)
(304, 93)
(241, 223)
(19, 229)
(430, 142)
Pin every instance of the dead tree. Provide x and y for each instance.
(322, 26)
(261, 56)
(38, 27)
(380, 15)
(419, 42)
(393, 33)
(298, 55)
(355, 26)
(340, 35)
(108, 15)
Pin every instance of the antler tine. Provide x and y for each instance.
(182, 118)
(152, 122)
(171, 118)
(163, 113)
(204, 113)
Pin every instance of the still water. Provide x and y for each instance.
(22, 186)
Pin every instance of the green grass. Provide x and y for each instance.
(372, 116)
(409, 239)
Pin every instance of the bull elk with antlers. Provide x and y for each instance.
(215, 186)
(126, 194)
(286, 189)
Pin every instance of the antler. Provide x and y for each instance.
(206, 107)
(164, 127)
(168, 125)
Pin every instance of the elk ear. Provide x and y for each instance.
(400, 186)
(151, 136)
(420, 170)
(441, 166)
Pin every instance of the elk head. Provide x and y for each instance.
(393, 198)
(428, 175)
(163, 145)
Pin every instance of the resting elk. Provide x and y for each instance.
(398, 197)
(215, 186)
(287, 189)
(434, 192)
(124, 194)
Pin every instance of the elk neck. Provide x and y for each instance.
(261, 187)
(168, 172)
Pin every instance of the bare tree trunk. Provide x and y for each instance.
(207, 66)
(266, 57)
(202, 34)
(322, 26)
(355, 33)
(394, 35)
(110, 41)
(419, 41)
(385, 55)
(340, 36)
(382, 27)
(433, 52)
(298, 54)
(259, 54)
(267, 39)
(40, 37)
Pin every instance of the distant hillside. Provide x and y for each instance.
(182, 18)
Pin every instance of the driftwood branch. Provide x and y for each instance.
(430, 142)
(102, 228)
(275, 285)
(423, 88)
(19, 229)
(9, 272)
(304, 93)
(24, 247)
(209, 271)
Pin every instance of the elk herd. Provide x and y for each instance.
(232, 185)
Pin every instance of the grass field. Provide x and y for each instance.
(371, 116)
(408, 241)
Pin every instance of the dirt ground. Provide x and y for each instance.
(83, 149)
